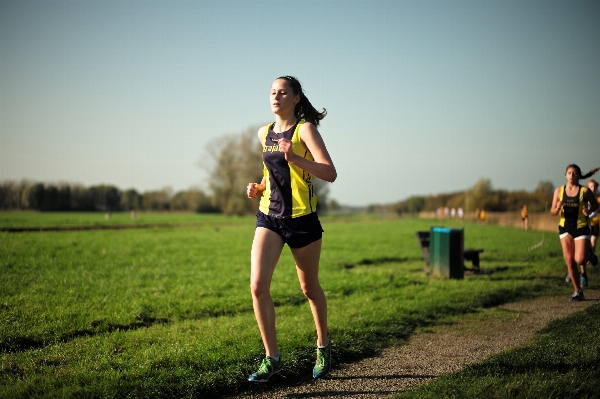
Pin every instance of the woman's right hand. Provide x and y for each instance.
(252, 190)
(559, 206)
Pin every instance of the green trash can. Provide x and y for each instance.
(446, 252)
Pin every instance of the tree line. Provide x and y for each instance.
(480, 196)
(27, 195)
(231, 162)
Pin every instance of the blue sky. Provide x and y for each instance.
(423, 97)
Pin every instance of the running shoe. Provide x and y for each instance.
(577, 296)
(323, 364)
(568, 278)
(593, 259)
(268, 367)
(584, 281)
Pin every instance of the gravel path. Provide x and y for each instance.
(432, 352)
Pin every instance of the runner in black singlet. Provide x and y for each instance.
(570, 201)
(293, 152)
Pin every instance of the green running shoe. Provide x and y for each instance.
(323, 364)
(578, 296)
(268, 367)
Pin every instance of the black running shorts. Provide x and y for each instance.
(295, 232)
(577, 234)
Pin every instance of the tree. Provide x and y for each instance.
(50, 199)
(334, 206)
(131, 200)
(415, 204)
(478, 196)
(33, 196)
(82, 198)
(321, 190)
(157, 200)
(235, 161)
(194, 200)
(545, 187)
(11, 194)
(106, 198)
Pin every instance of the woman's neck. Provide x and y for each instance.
(284, 122)
(572, 185)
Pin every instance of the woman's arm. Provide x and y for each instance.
(556, 202)
(253, 189)
(589, 196)
(322, 166)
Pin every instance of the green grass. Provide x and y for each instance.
(562, 362)
(166, 312)
(99, 219)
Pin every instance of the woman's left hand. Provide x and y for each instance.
(285, 146)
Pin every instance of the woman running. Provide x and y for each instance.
(571, 201)
(293, 152)
(524, 217)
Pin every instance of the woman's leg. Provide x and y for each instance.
(307, 266)
(266, 250)
(581, 252)
(568, 247)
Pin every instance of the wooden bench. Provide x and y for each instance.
(423, 237)
(469, 254)
(473, 255)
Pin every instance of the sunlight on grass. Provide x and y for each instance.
(167, 312)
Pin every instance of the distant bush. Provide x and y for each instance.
(480, 196)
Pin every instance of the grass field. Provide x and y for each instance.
(166, 311)
(98, 219)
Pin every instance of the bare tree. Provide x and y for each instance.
(233, 162)
(11, 194)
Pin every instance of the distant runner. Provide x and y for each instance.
(571, 201)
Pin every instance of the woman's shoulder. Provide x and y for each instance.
(308, 128)
(261, 130)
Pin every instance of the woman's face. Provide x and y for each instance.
(572, 176)
(593, 187)
(283, 99)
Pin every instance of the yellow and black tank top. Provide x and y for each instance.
(289, 190)
(570, 214)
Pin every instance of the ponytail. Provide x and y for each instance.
(304, 109)
(590, 173)
(578, 169)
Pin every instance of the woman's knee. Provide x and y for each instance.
(312, 292)
(580, 259)
(259, 289)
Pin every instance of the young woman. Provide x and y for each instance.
(293, 152)
(524, 217)
(571, 201)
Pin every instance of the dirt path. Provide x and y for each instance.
(432, 352)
